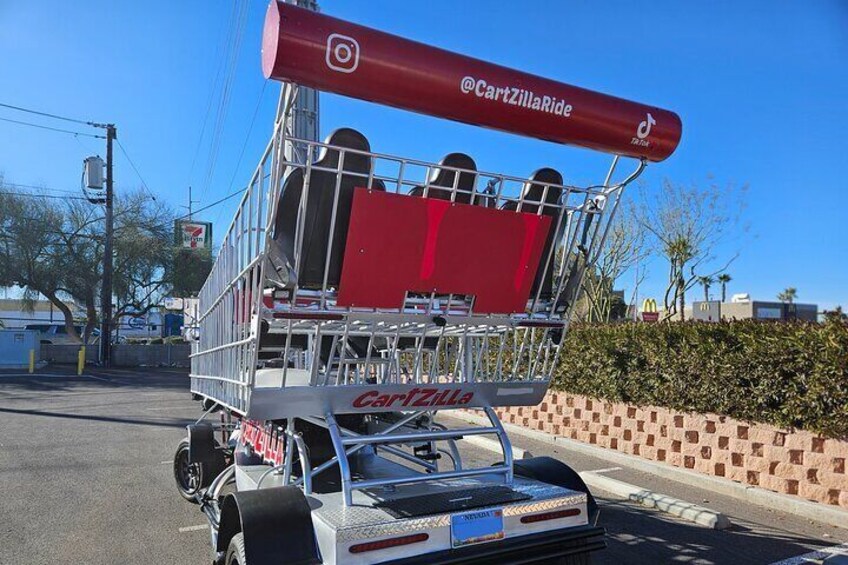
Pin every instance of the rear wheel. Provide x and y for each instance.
(235, 552)
(192, 477)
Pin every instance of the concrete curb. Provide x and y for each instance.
(662, 502)
(754, 495)
(676, 507)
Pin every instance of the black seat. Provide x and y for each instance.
(319, 208)
(271, 345)
(532, 193)
(441, 177)
(412, 343)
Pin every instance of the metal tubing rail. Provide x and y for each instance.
(346, 443)
(397, 452)
(209, 502)
(597, 189)
(444, 475)
(416, 437)
(293, 439)
(506, 445)
(327, 464)
(344, 464)
(254, 178)
(431, 467)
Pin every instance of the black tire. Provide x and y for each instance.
(192, 477)
(235, 552)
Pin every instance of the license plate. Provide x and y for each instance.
(476, 526)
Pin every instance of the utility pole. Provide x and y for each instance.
(302, 104)
(106, 287)
(190, 203)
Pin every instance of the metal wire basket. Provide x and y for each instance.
(355, 281)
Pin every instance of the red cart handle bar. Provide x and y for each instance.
(329, 54)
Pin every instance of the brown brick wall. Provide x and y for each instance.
(790, 462)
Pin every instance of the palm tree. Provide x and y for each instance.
(789, 295)
(707, 282)
(724, 278)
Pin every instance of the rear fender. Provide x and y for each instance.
(553, 472)
(276, 523)
(201, 443)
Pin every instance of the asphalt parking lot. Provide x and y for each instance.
(86, 476)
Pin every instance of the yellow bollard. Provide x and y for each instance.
(80, 360)
(31, 361)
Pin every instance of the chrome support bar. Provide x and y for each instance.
(416, 437)
(493, 470)
(341, 457)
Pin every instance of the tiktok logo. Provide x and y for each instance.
(644, 129)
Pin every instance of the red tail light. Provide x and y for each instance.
(550, 515)
(386, 543)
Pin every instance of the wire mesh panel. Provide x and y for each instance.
(224, 358)
(345, 268)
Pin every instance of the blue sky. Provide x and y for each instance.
(760, 86)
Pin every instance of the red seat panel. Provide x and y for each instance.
(400, 243)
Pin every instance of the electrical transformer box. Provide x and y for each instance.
(94, 172)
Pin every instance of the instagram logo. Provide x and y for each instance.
(342, 53)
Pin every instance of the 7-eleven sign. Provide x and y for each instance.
(193, 235)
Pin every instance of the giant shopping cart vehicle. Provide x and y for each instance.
(357, 294)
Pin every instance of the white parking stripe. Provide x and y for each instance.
(98, 378)
(194, 528)
(607, 470)
(112, 381)
(813, 556)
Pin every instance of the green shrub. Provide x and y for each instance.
(788, 374)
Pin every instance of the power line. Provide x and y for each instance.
(52, 129)
(34, 187)
(216, 87)
(219, 201)
(144, 184)
(249, 131)
(246, 139)
(30, 195)
(49, 115)
(223, 103)
(211, 99)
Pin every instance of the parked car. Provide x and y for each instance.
(56, 334)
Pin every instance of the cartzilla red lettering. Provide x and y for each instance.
(416, 398)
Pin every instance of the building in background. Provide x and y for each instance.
(156, 323)
(743, 308)
(15, 316)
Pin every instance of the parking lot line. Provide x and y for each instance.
(815, 556)
(109, 380)
(606, 470)
(196, 528)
